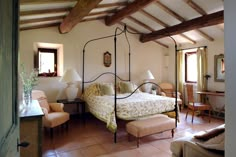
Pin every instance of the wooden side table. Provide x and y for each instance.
(31, 129)
(76, 101)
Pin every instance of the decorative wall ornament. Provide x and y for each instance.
(107, 59)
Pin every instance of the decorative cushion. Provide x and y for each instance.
(215, 143)
(210, 134)
(106, 89)
(127, 87)
(92, 89)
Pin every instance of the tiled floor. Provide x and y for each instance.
(93, 139)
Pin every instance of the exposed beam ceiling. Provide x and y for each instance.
(203, 21)
(81, 9)
(164, 24)
(155, 22)
(128, 10)
(136, 31)
(195, 7)
(181, 19)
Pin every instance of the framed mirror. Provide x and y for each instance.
(219, 68)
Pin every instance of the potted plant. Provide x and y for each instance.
(29, 81)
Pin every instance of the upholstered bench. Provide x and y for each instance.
(149, 126)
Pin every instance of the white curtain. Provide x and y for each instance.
(201, 69)
(180, 71)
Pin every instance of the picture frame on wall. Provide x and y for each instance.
(219, 68)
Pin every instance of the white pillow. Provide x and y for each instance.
(215, 143)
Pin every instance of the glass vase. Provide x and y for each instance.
(27, 98)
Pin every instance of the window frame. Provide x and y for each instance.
(36, 61)
(186, 66)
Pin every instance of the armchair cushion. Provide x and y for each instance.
(54, 114)
(45, 111)
(56, 107)
(55, 119)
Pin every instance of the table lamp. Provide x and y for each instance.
(147, 76)
(71, 77)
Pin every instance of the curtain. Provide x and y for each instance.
(201, 69)
(180, 71)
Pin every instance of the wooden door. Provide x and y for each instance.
(9, 121)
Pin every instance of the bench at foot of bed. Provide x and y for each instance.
(145, 127)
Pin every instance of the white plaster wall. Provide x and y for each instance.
(143, 55)
(230, 56)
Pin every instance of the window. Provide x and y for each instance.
(46, 62)
(191, 67)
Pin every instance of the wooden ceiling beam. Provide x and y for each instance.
(169, 11)
(23, 2)
(153, 18)
(188, 38)
(48, 11)
(203, 34)
(135, 30)
(128, 10)
(108, 5)
(181, 19)
(164, 24)
(102, 12)
(140, 23)
(129, 27)
(195, 7)
(203, 21)
(40, 26)
(92, 19)
(81, 9)
(41, 19)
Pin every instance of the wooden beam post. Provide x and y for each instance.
(203, 21)
(131, 8)
(81, 9)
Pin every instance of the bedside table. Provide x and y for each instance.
(76, 101)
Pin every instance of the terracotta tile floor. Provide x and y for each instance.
(93, 139)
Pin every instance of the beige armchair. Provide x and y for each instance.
(168, 90)
(54, 114)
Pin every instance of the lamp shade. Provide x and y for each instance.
(70, 76)
(147, 75)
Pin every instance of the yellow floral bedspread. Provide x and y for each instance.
(136, 106)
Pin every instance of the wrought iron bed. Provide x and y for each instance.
(125, 30)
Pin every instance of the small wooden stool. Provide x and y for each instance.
(145, 127)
